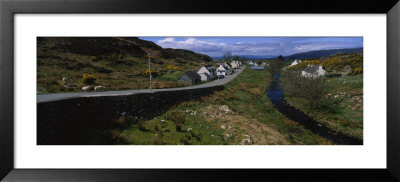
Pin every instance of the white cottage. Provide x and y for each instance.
(295, 62)
(228, 69)
(221, 71)
(251, 63)
(234, 65)
(207, 73)
(313, 71)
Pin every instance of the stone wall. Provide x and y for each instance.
(87, 120)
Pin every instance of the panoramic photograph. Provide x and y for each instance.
(199, 90)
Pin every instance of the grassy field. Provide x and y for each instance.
(239, 114)
(346, 115)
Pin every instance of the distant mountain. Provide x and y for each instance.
(322, 53)
(252, 56)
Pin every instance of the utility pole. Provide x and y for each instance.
(148, 56)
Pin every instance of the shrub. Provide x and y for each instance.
(153, 72)
(141, 126)
(311, 89)
(89, 79)
(357, 71)
(185, 139)
(158, 140)
(173, 67)
(176, 117)
(195, 134)
(156, 127)
(178, 126)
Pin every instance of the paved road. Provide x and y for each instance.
(61, 96)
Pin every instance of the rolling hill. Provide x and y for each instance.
(321, 53)
(118, 62)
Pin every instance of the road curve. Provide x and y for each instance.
(61, 96)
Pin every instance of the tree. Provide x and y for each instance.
(227, 57)
(276, 65)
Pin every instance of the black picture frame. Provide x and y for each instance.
(8, 8)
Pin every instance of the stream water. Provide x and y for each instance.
(277, 97)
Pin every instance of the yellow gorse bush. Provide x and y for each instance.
(89, 79)
(153, 72)
(336, 62)
(173, 67)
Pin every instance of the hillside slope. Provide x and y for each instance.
(321, 53)
(118, 62)
(351, 63)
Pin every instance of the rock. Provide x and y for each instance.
(226, 109)
(247, 140)
(226, 136)
(189, 129)
(347, 70)
(100, 88)
(123, 113)
(87, 88)
(223, 126)
(229, 127)
(65, 79)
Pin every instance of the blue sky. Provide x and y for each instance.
(217, 46)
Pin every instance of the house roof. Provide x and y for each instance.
(192, 75)
(210, 68)
(205, 73)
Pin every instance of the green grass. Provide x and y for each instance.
(255, 115)
(172, 76)
(345, 117)
(163, 131)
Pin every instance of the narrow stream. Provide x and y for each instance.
(276, 95)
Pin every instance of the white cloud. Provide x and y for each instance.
(274, 47)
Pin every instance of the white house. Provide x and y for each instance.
(213, 71)
(207, 73)
(228, 69)
(251, 63)
(295, 62)
(313, 71)
(221, 71)
(235, 65)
